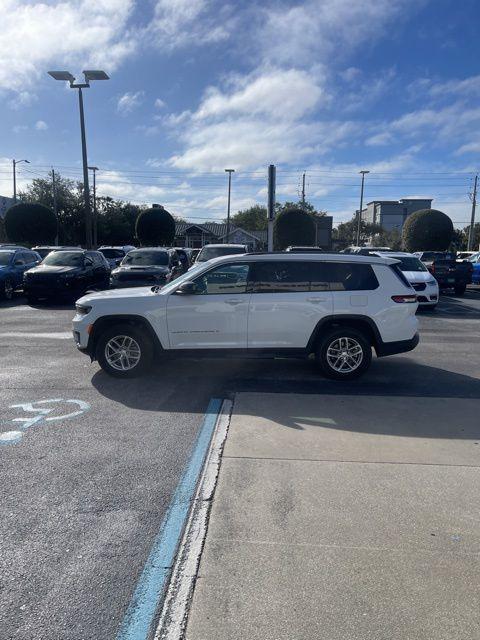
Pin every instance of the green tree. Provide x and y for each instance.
(293, 226)
(427, 230)
(116, 221)
(155, 227)
(252, 219)
(345, 234)
(30, 223)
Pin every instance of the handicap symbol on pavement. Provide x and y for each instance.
(41, 410)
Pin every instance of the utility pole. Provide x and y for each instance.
(359, 216)
(303, 190)
(14, 165)
(54, 191)
(229, 171)
(471, 231)
(95, 221)
(271, 205)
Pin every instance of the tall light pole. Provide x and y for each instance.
(229, 171)
(95, 228)
(359, 216)
(14, 165)
(66, 76)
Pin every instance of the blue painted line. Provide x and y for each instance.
(141, 611)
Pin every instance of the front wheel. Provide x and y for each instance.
(344, 354)
(8, 289)
(124, 351)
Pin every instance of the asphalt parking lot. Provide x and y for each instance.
(87, 484)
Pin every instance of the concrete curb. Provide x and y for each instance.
(175, 610)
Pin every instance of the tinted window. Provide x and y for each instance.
(64, 259)
(229, 278)
(5, 257)
(112, 253)
(146, 258)
(411, 264)
(280, 277)
(342, 276)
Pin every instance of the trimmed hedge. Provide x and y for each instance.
(30, 223)
(155, 227)
(427, 230)
(293, 226)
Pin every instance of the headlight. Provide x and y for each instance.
(432, 281)
(83, 309)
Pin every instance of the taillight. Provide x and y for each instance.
(405, 299)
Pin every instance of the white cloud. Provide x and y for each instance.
(379, 140)
(160, 104)
(466, 87)
(36, 36)
(177, 23)
(130, 101)
(19, 128)
(41, 125)
(316, 29)
(470, 147)
(22, 99)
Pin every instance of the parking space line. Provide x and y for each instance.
(152, 583)
(53, 335)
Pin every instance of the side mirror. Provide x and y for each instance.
(187, 289)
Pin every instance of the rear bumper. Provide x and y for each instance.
(399, 346)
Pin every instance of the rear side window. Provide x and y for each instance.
(280, 277)
(399, 273)
(342, 276)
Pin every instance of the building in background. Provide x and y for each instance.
(188, 234)
(391, 214)
(323, 232)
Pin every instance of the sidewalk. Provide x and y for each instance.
(344, 518)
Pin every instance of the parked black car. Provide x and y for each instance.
(184, 255)
(147, 267)
(448, 272)
(44, 250)
(67, 274)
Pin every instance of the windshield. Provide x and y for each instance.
(5, 257)
(146, 258)
(64, 259)
(411, 264)
(208, 253)
(475, 257)
(112, 253)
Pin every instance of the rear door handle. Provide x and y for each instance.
(316, 300)
(234, 301)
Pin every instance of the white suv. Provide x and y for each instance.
(336, 307)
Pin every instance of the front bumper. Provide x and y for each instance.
(54, 288)
(399, 346)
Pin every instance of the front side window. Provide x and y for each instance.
(226, 279)
(280, 277)
(5, 257)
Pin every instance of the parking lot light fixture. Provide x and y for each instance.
(14, 165)
(89, 75)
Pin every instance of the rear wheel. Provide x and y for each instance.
(124, 351)
(460, 289)
(8, 289)
(344, 354)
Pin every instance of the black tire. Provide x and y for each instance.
(8, 289)
(428, 307)
(460, 289)
(32, 299)
(325, 361)
(139, 337)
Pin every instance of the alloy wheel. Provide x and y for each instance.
(344, 355)
(122, 353)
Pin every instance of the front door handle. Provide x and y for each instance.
(234, 301)
(316, 300)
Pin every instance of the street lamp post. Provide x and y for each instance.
(229, 171)
(359, 216)
(14, 164)
(66, 76)
(95, 226)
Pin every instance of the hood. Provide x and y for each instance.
(417, 276)
(141, 269)
(115, 294)
(53, 269)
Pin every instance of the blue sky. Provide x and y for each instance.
(197, 86)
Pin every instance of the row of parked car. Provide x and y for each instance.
(53, 272)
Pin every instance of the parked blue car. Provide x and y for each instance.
(475, 259)
(14, 261)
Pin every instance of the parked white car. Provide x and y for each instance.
(419, 277)
(210, 251)
(336, 307)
